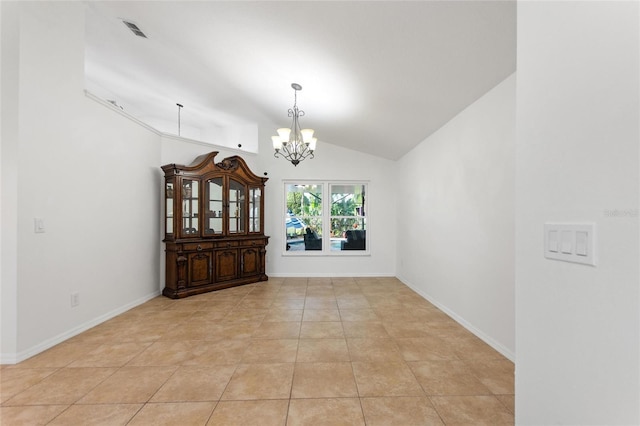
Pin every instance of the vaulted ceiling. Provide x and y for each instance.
(377, 76)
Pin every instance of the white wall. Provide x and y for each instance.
(331, 162)
(9, 56)
(176, 150)
(577, 326)
(91, 174)
(455, 216)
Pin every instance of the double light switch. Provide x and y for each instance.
(570, 242)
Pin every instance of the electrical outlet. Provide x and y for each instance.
(75, 299)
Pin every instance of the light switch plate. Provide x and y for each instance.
(38, 225)
(570, 242)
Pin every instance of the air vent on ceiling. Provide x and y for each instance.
(134, 29)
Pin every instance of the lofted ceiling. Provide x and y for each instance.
(377, 76)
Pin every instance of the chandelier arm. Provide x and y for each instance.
(287, 151)
(307, 153)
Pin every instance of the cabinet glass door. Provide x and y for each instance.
(255, 200)
(168, 208)
(237, 207)
(189, 207)
(213, 197)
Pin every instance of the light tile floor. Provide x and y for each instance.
(294, 351)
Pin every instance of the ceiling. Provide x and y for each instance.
(377, 76)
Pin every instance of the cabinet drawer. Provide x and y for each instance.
(226, 244)
(197, 246)
(252, 243)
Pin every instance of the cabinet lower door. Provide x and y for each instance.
(250, 261)
(199, 267)
(226, 265)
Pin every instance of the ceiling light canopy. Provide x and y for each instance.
(294, 144)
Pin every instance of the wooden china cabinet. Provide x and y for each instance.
(214, 226)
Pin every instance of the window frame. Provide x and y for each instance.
(326, 186)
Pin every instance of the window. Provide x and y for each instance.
(348, 220)
(303, 221)
(336, 226)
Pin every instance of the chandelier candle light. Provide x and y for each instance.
(294, 144)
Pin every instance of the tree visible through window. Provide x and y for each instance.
(348, 220)
(307, 218)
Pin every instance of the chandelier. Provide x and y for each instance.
(294, 144)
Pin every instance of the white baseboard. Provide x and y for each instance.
(326, 275)
(14, 358)
(457, 318)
